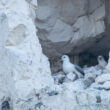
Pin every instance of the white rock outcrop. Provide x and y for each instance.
(23, 67)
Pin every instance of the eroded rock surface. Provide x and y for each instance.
(70, 27)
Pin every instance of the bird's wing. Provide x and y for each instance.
(79, 69)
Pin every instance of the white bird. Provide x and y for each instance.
(68, 67)
(101, 61)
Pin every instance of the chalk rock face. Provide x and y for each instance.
(23, 67)
(69, 27)
(80, 100)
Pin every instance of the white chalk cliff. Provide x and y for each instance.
(23, 66)
(26, 82)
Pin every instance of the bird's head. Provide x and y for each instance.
(65, 58)
(100, 58)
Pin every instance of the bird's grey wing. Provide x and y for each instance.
(79, 69)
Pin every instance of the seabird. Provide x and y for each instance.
(101, 61)
(68, 67)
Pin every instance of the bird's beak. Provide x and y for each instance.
(61, 60)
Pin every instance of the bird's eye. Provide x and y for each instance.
(64, 57)
(100, 57)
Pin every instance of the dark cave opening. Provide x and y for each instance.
(90, 59)
(83, 59)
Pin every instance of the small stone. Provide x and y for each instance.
(106, 85)
(102, 78)
(52, 93)
(71, 76)
(88, 82)
(5, 105)
(100, 88)
(98, 99)
(38, 105)
(59, 78)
